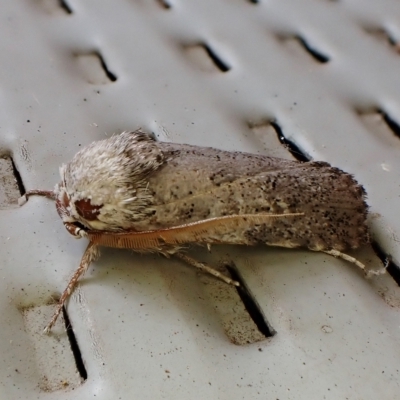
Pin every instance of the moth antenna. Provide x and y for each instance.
(188, 233)
(46, 193)
(359, 264)
(91, 253)
(205, 268)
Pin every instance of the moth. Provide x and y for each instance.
(131, 191)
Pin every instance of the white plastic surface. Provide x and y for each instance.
(148, 327)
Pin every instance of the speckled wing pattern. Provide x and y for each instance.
(201, 183)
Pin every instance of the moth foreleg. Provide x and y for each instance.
(359, 264)
(205, 268)
(91, 253)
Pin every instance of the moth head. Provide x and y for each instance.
(105, 186)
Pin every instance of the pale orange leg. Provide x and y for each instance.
(205, 268)
(359, 264)
(91, 253)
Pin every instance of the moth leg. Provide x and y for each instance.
(91, 253)
(359, 264)
(205, 268)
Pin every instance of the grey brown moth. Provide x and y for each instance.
(130, 191)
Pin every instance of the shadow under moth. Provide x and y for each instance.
(130, 191)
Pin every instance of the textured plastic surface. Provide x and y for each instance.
(208, 73)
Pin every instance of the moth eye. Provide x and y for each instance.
(86, 210)
(77, 224)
